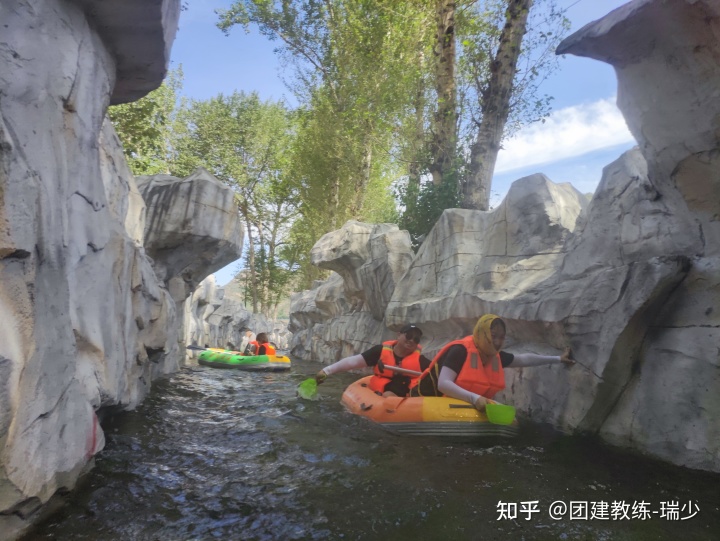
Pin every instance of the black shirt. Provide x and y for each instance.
(454, 358)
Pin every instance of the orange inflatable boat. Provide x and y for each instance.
(427, 416)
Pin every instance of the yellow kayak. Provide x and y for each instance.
(422, 416)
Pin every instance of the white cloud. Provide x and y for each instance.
(569, 132)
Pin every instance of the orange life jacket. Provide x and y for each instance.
(256, 345)
(387, 357)
(269, 350)
(485, 380)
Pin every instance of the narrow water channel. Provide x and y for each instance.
(226, 454)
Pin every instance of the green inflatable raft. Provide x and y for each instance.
(225, 359)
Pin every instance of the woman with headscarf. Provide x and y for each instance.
(471, 369)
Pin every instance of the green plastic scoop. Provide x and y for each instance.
(308, 389)
(500, 414)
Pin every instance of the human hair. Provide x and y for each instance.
(261, 338)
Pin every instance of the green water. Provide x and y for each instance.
(225, 454)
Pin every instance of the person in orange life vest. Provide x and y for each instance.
(403, 352)
(264, 347)
(471, 369)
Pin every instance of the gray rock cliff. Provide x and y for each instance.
(87, 324)
(631, 280)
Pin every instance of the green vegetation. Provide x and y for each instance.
(403, 107)
(145, 127)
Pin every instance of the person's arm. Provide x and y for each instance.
(448, 387)
(262, 350)
(354, 362)
(452, 363)
(522, 360)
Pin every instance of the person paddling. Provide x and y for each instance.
(264, 346)
(471, 369)
(404, 352)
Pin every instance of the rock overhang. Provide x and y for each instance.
(139, 34)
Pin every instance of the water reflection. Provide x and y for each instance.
(224, 454)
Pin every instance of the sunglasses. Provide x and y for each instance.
(413, 336)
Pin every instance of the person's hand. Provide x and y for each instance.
(320, 376)
(480, 402)
(567, 357)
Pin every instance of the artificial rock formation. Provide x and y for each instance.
(192, 228)
(326, 328)
(204, 301)
(344, 314)
(86, 324)
(633, 283)
(666, 55)
(370, 258)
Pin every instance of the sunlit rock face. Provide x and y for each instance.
(326, 335)
(471, 258)
(344, 314)
(86, 324)
(370, 258)
(192, 228)
(666, 56)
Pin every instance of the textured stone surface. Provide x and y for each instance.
(140, 34)
(326, 327)
(86, 324)
(371, 258)
(471, 258)
(192, 228)
(666, 55)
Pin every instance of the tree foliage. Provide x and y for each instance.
(351, 67)
(145, 127)
(394, 99)
(246, 143)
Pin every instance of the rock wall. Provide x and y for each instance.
(192, 228)
(344, 314)
(631, 280)
(666, 56)
(87, 325)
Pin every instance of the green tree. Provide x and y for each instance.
(351, 70)
(507, 51)
(246, 144)
(145, 127)
(396, 93)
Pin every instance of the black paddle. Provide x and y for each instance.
(197, 348)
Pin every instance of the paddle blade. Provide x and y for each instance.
(308, 389)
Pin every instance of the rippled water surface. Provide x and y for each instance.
(226, 454)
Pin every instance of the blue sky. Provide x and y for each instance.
(584, 133)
